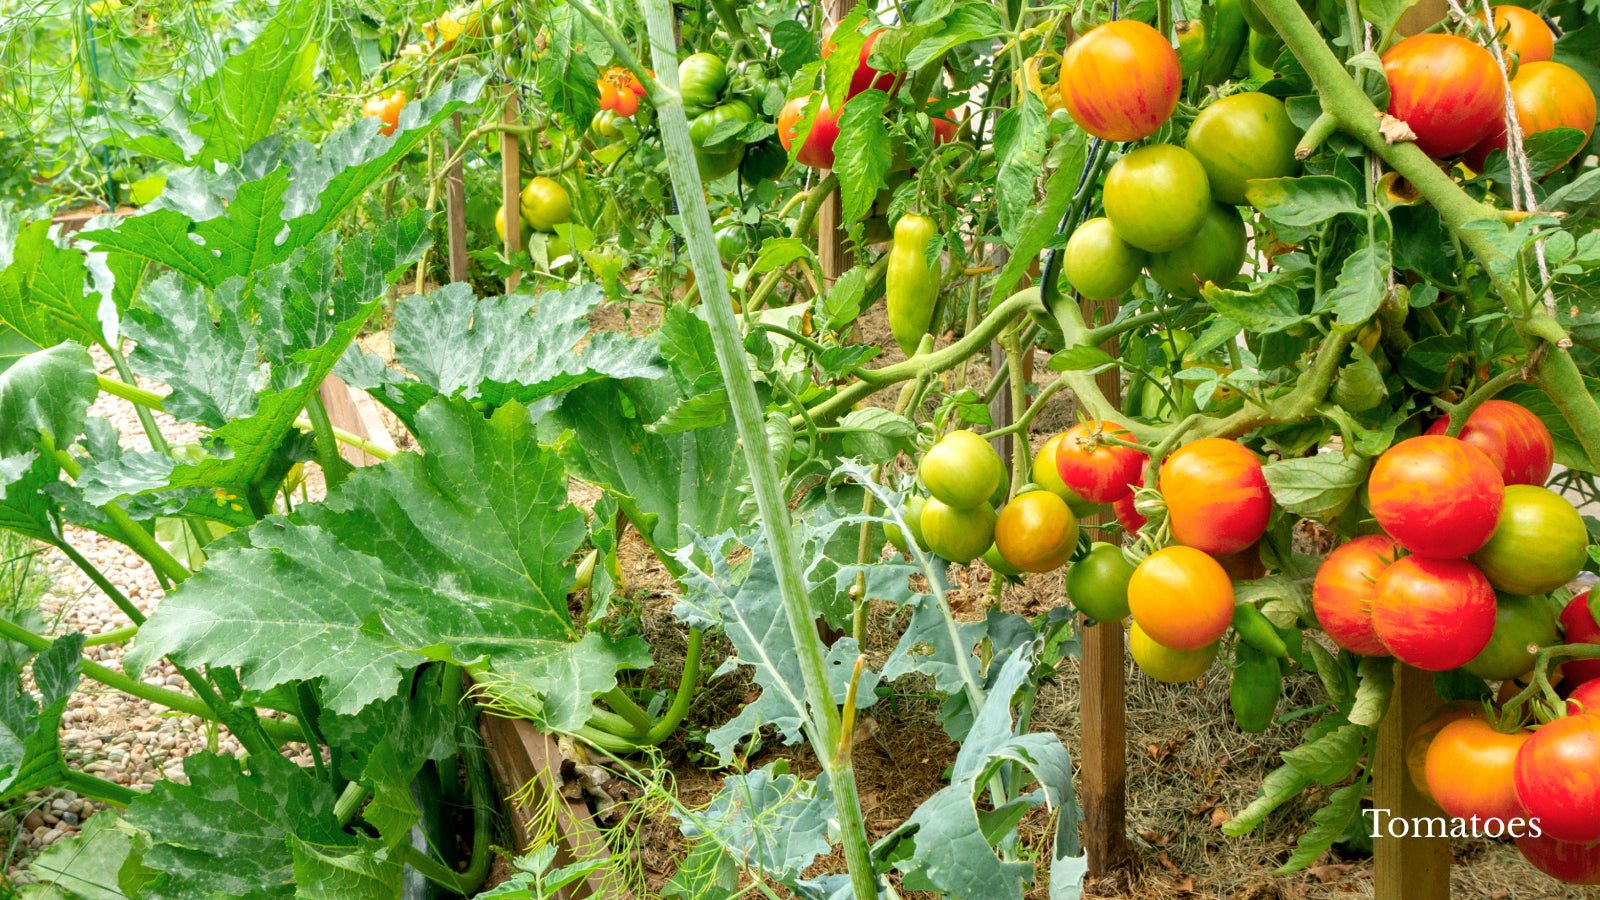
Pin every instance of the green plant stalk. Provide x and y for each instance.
(334, 468)
(95, 575)
(349, 803)
(1342, 99)
(281, 730)
(158, 441)
(114, 636)
(629, 711)
(824, 721)
(872, 380)
(684, 696)
(1020, 448)
(132, 533)
(1461, 412)
(86, 785)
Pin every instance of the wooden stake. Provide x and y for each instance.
(1409, 867)
(831, 251)
(455, 204)
(1102, 699)
(511, 182)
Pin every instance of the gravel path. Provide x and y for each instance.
(104, 732)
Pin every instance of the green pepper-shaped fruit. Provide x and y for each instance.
(1257, 630)
(911, 283)
(1225, 40)
(1257, 683)
(701, 78)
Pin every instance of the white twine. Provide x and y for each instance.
(1522, 195)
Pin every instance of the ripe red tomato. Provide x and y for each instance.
(1120, 81)
(1128, 516)
(1047, 476)
(1436, 496)
(1563, 861)
(865, 77)
(1342, 593)
(1036, 532)
(1585, 698)
(1435, 614)
(1181, 597)
(1098, 472)
(817, 151)
(944, 130)
(1539, 544)
(1547, 95)
(1558, 778)
(1515, 440)
(1520, 622)
(1448, 90)
(1578, 626)
(1217, 498)
(1469, 768)
(1523, 33)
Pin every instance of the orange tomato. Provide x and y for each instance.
(1120, 81)
(1181, 597)
(386, 107)
(1522, 33)
(1217, 499)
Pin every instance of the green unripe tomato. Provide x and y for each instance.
(1214, 254)
(1241, 137)
(1519, 621)
(1098, 583)
(701, 78)
(958, 535)
(1538, 545)
(1047, 477)
(1098, 263)
(962, 471)
(1157, 197)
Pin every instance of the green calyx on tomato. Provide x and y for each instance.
(1240, 137)
(1098, 263)
(1097, 585)
(701, 78)
(1215, 254)
(1157, 197)
(911, 282)
(962, 471)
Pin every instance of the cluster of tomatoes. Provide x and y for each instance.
(1169, 210)
(386, 108)
(1451, 93)
(817, 150)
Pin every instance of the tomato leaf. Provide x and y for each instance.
(1279, 787)
(1331, 758)
(861, 153)
(1328, 824)
(1267, 309)
(1019, 143)
(1373, 692)
(877, 435)
(795, 43)
(1385, 13)
(1039, 222)
(1362, 284)
(1303, 201)
(1079, 358)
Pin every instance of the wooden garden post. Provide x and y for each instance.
(1408, 867)
(455, 206)
(511, 182)
(1102, 696)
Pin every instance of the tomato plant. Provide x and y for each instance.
(817, 149)
(1214, 255)
(1157, 197)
